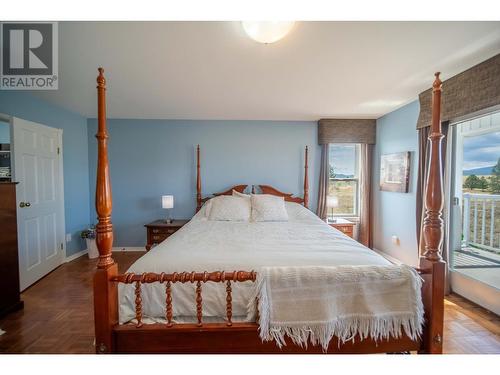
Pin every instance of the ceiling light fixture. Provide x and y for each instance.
(267, 31)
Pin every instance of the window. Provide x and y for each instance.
(343, 189)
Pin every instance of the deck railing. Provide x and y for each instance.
(481, 221)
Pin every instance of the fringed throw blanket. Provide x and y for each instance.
(313, 304)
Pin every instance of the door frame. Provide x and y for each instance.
(60, 164)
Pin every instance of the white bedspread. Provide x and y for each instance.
(203, 245)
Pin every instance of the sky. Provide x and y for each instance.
(342, 158)
(481, 151)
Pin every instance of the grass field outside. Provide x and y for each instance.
(346, 193)
(476, 191)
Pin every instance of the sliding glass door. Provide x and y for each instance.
(474, 210)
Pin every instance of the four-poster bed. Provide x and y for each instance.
(235, 336)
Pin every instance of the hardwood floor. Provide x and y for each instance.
(58, 316)
(468, 328)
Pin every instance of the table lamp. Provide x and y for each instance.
(167, 202)
(332, 202)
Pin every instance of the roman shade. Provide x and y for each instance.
(471, 91)
(346, 131)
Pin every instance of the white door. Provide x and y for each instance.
(37, 166)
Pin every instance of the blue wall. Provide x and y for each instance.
(75, 150)
(150, 158)
(394, 213)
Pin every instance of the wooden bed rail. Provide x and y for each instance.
(184, 277)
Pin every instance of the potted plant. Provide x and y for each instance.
(89, 236)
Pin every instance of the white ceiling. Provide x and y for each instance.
(211, 70)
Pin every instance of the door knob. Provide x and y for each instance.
(28, 204)
(24, 204)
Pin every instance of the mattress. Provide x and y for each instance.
(203, 245)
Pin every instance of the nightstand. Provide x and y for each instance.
(159, 230)
(343, 225)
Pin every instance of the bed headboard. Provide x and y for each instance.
(266, 189)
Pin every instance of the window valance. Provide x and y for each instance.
(346, 131)
(466, 93)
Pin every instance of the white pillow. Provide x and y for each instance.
(208, 206)
(240, 195)
(229, 208)
(267, 207)
(208, 203)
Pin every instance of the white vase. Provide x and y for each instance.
(92, 248)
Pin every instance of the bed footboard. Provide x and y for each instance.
(105, 308)
(241, 338)
(184, 277)
(200, 337)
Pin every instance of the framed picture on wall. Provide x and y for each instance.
(395, 172)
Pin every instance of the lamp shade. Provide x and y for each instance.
(167, 201)
(332, 201)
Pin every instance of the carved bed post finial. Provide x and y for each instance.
(433, 221)
(198, 180)
(306, 179)
(103, 199)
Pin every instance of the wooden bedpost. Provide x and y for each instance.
(306, 179)
(433, 221)
(105, 292)
(432, 262)
(198, 180)
(103, 198)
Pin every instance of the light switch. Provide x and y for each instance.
(68, 237)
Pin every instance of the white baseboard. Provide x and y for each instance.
(388, 257)
(117, 249)
(76, 256)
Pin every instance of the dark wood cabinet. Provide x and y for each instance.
(10, 297)
(160, 230)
